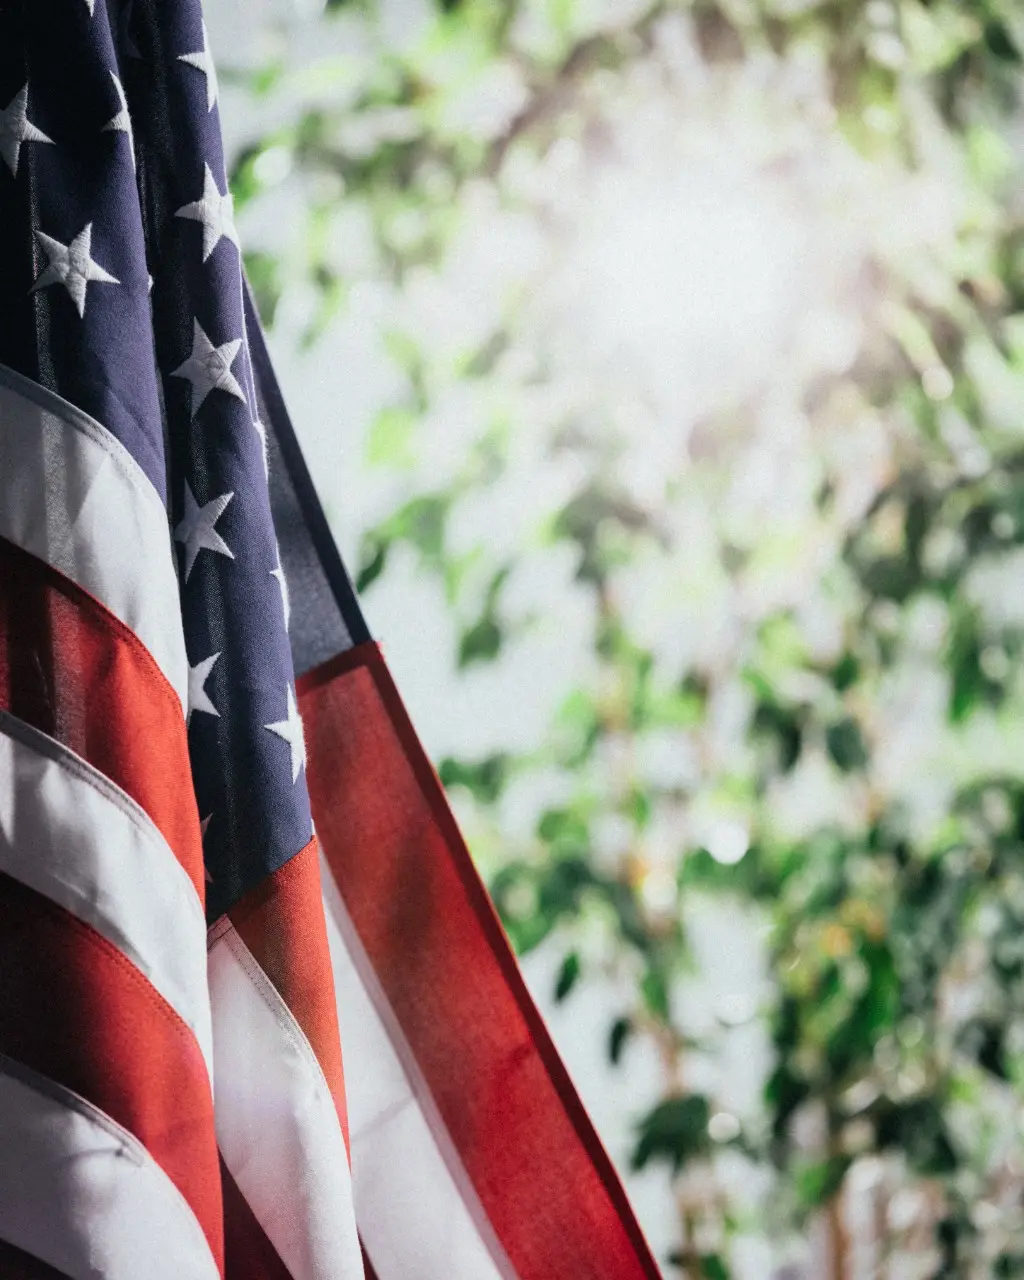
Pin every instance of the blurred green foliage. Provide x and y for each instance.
(834, 680)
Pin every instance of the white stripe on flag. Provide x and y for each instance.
(277, 1125)
(69, 833)
(71, 494)
(414, 1217)
(79, 1192)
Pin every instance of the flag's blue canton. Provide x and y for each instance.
(76, 314)
(245, 736)
(57, 77)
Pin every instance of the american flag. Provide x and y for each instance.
(186, 682)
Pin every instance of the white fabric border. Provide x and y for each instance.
(81, 1193)
(277, 1125)
(414, 1217)
(69, 833)
(71, 494)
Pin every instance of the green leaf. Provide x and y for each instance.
(675, 1131)
(845, 673)
(563, 882)
(421, 522)
(242, 179)
(373, 556)
(532, 900)
(640, 805)
(783, 727)
(564, 827)
(485, 778)
(1000, 42)
(991, 1050)
(481, 643)
(263, 270)
(620, 1032)
(861, 1016)
(266, 78)
(846, 745)
(389, 441)
(655, 994)
(785, 1092)
(568, 976)
(525, 915)
(918, 1129)
(712, 1267)
(970, 686)
(818, 1182)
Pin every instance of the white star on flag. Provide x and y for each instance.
(122, 122)
(208, 368)
(196, 530)
(72, 266)
(214, 211)
(198, 698)
(282, 582)
(291, 731)
(16, 129)
(202, 61)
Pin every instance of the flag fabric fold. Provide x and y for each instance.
(228, 1046)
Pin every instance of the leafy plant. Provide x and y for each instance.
(704, 325)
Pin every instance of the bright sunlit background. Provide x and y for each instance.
(661, 367)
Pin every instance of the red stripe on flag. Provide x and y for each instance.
(281, 921)
(441, 956)
(15, 1264)
(248, 1254)
(73, 1008)
(69, 668)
